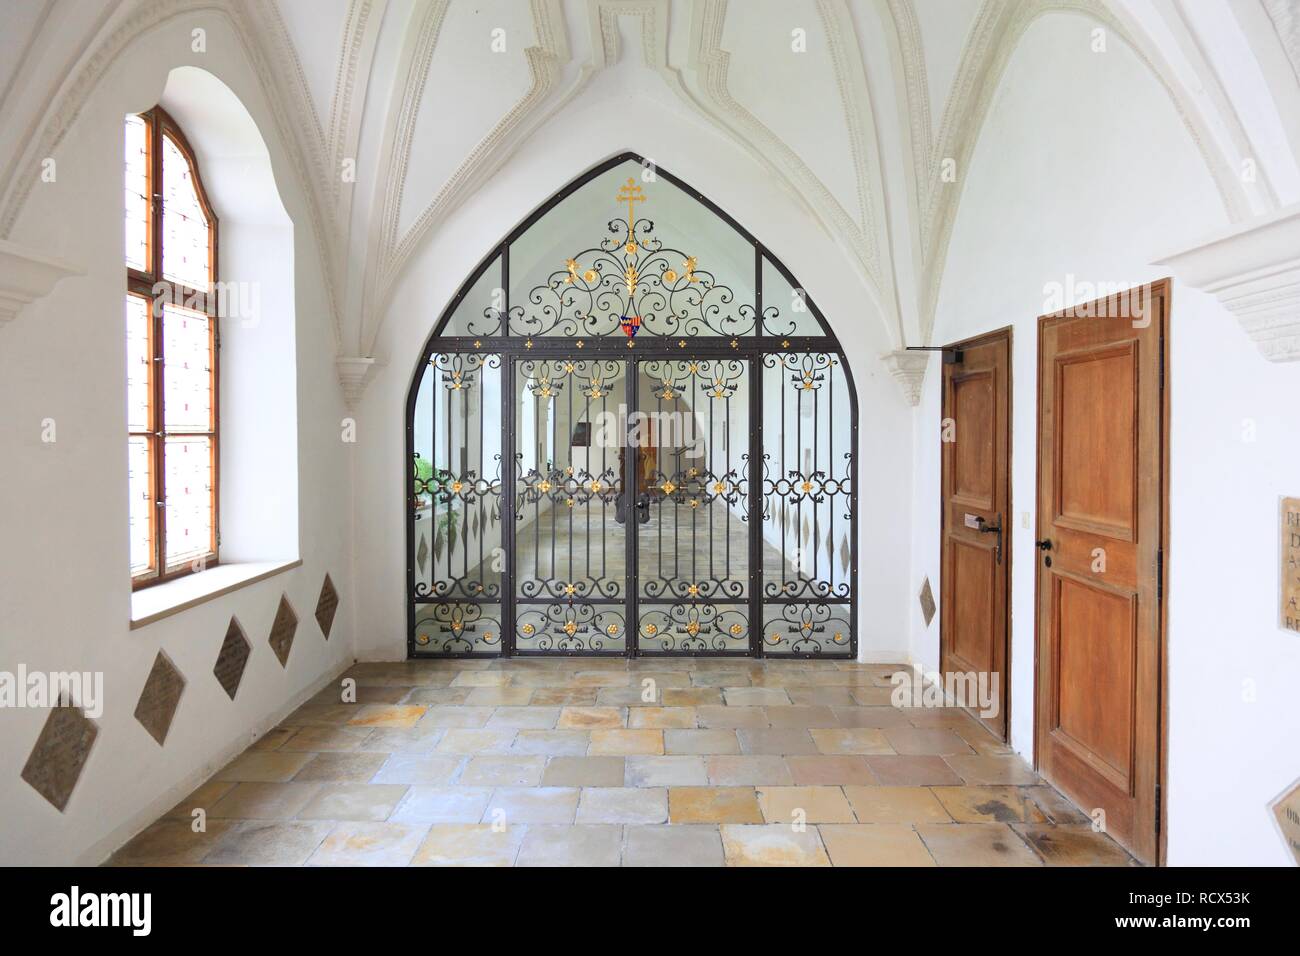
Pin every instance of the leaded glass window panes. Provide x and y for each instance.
(185, 226)
(188, 463)
(137, 194)
(187, 370)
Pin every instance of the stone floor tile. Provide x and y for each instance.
(913, 771)
(503, 771)
(442, 805)
(721, 717)
(637, 805)
(264, 801)
(349, 767)
(369, 844)
(878, 717)
(419, 768)
(589, 718)
(920, 741)
(872, 696)
(976, 844)
(690, 696)
(953, 718)
(989, 804)
(755, 697)
(772, 845)
(794, 717)
(201, 799)
(694, 845)
(353, 801)
(851, 740)
(776, 741)
(438, 695)
(474, 740)
(264, 766)
(674, 771)
(713, 805)
(515, 805)
(519, 718)
(325, 739)
(832, 771)
(661, 718)
(887, 804)
(395, 740)
(1074, 845)
(457, 716)
(551, 742)
(621, 742)
(499, 696)
(804, 805)
(602, 771)
(571, 846)
(874, 844)
(564, 697)
(388, 715)
(172, 842)
(748, 770)
(269, 844)
(701, 742)
(1055, 807)
(274, 738)
(481, 679)
(458, 844)
(1009, 769)
(821, 696)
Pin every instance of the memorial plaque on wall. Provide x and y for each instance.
(160, 698)
(1287, 812)
(231, 659)
(326, 606)
(1289, 572)
(282, 631)
(56, 761)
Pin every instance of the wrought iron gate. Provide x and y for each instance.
(582, 474)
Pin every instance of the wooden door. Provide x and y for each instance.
(1101, 467)
(976, 489)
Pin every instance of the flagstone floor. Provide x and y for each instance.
(585, 762)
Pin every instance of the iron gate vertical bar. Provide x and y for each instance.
(631, 514)
(853, 509)
(756, 366)
(507, 469)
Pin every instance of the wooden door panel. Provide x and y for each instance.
(1101, 516)
(1096, 485)
(973, 474)
(1094, 634)
(977, 493)
(974, 579)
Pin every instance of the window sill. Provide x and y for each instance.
(163, 600)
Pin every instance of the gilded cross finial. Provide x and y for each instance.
(631, 193)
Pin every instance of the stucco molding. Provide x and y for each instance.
(908, 369)
(354, 373)
(1253, 269)
(27, 276)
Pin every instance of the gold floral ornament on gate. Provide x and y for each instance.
(631, 282)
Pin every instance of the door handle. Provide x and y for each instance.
(643, 509)
(1044, 545)
(985, 528)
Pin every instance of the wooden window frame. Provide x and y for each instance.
(151, 285)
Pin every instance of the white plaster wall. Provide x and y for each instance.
(659, 128)
(1084, 168)
(64, 585)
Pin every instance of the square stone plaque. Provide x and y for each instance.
(326, 606)
(56, 761)
(283, 630)
(160, 698)
(232, 658)
(1287, 812)
(927, 602)
(1289, 572)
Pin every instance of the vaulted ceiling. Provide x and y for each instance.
(424, 99)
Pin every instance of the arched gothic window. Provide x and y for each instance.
(172, 345)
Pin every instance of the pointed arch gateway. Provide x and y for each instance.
(582, 428)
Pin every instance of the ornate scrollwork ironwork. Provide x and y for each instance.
(631, 275)
(458, 628)
(694, 627)
(570, 626)
(806, 628)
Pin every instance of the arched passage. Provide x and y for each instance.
(580, 431)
